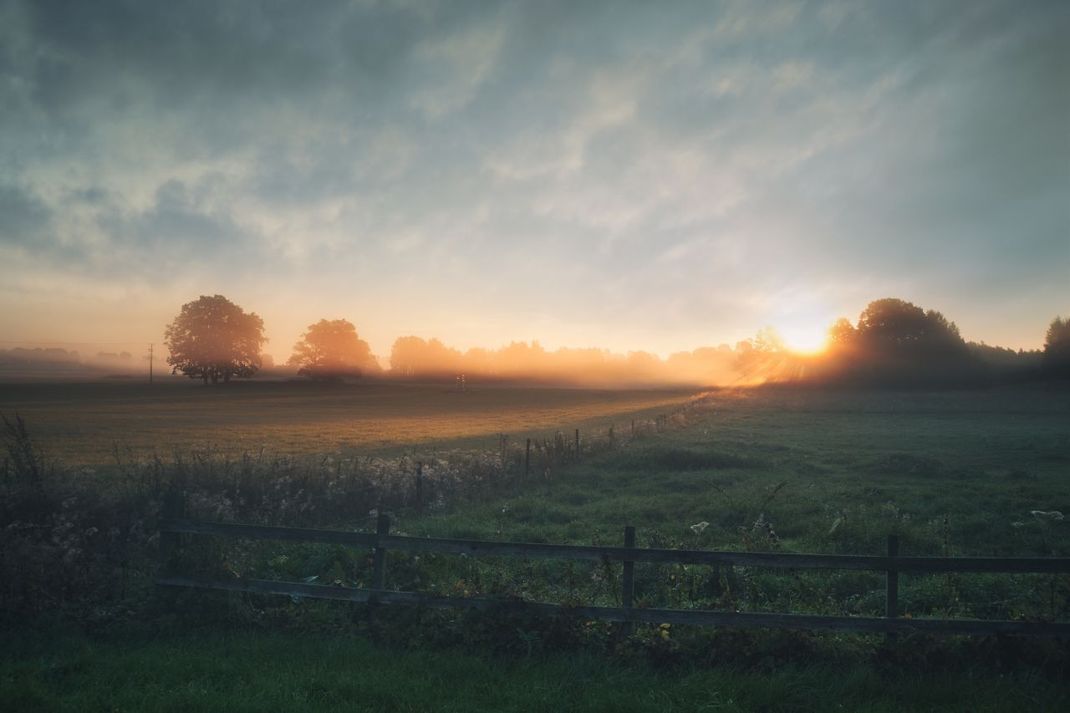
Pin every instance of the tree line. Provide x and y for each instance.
(893, 342)
(215, 340)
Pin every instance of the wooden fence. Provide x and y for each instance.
(382, 541)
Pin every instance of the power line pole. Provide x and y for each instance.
(150, 362)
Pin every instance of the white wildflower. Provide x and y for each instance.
(1053, 515)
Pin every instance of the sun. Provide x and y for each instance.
(804, 338)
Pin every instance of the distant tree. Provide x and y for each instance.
(331, 349)
(523, 359)
(893, 326)
(1057, 348)
(842, 334)
(765, 357)
(643, 366)
(213, 339)
(406, 356)
(411, 356)
(895, 343)
(768, 340)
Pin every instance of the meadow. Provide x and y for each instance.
(952, 474)
(86, 423)
(794, 470)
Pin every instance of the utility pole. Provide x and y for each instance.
(150, 362)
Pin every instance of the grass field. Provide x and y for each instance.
(264, 672)
(82, 423)
(957, 473)
(877, 462)
(952, 473)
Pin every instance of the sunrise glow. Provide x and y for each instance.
(804, 338)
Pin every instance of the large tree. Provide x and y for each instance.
(896, 327)
(898, 343)
(1057, 348)
(331, 349)
(213, 339)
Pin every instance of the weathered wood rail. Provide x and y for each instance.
(382, 541)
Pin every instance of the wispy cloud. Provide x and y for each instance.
(690, 170)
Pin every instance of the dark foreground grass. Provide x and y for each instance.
(254, 671)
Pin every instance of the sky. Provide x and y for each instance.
(655, 176)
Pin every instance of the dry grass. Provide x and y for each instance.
(82, 423)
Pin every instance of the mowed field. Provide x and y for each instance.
(84, 423)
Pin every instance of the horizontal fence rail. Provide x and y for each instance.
(1042, 565)
(699, 617)
(381, 541)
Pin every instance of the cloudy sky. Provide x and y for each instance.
(634, 176)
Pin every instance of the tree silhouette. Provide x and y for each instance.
(331, 349)
(213, 339)
(898, 328)
(1057, 348)
(842, 334)
(898, 343)
(413, 356)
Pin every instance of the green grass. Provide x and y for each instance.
(884, 461)
(953, 473)
(284, 672)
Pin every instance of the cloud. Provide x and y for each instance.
(541, 159)
(23, 217)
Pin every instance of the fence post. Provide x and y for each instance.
(527, 459)
(419, 486)
(633, 429)
(891, 604)
(628, 580)
(174, 507)
(577, 444)
(382, 528)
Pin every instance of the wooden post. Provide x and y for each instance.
(633, 428)
(891, 604)
(173, 508)
(628, 580)
(577, 444)
(382, 528)
(527, 459)
(419, 486)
